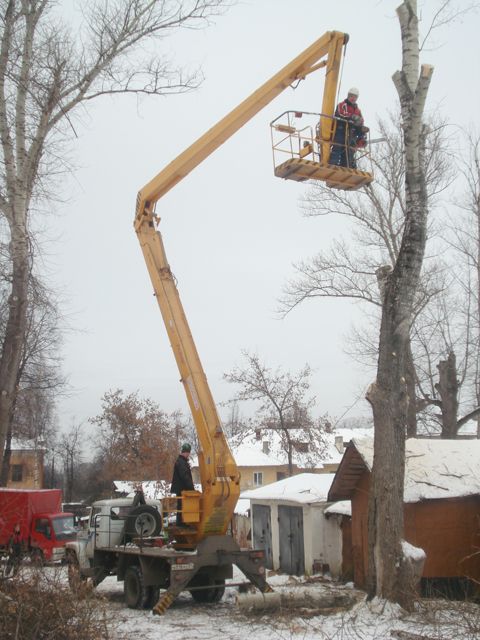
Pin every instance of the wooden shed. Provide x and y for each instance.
(288, 523)
(441, 510)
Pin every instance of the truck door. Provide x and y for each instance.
(41, 537)
(106, 527)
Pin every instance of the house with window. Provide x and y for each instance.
(262, 459)
(257, 466)
(26, 467)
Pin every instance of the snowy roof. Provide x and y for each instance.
(247, 455)
(242, 507)
(332, 454)
(27, 445)
(248, 449)
(304, 488)
(249, 452)
(342, 508)
(153, 489)
(434, 468)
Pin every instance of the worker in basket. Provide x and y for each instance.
(350, 132)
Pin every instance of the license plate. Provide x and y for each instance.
(182, 567)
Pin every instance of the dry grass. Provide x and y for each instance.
(38, 605)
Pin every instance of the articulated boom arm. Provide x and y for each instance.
(219, 473)
(329, 46)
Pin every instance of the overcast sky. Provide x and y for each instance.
(231, 229)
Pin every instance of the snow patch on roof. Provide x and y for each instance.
(304, 488)
(247, 455)
(152, 489)
(242, 507)
(435, 468)
(343, 508)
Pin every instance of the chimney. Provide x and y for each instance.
(266, 447)
(339, 444)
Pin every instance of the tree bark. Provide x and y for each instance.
(45, 74)
(447, 388)
(390, 395)
(14, 338)
(410, 378)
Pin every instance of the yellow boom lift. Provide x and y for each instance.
(210, 511)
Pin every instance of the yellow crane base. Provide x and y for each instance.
(336, 177)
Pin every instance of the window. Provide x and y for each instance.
(17, 472)
(301, 447)
(64, 528)
(257, 478)
(43, 526)
(281, 475)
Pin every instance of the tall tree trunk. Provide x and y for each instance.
(410, 378)
(12, 347)
(389, 575)
(447, 388)
(7, 456)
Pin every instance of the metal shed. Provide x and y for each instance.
(441, 505)
(288, 522)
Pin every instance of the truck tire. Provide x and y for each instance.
(76, 581)
(134, 589)
(214, 594)
(143, 522)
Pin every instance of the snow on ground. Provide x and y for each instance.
(224, 621)
(187, 620)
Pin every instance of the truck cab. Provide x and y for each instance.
(49, 534)
(113, 522)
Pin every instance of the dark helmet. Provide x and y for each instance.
(186, 447)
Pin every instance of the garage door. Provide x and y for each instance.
(262, 532)
(292, 554)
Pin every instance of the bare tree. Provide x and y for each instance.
(46, 74)
(389, 396)
(443, 312)
(283, 406)
(39, 377)
(70, 449)
(466, 242)
(349, 269)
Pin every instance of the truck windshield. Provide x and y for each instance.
(64, 528)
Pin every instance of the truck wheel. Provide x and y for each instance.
(134, 589)
(75, 579)
(143, 522)
(214, 594)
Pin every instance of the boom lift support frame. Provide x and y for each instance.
(210, 512)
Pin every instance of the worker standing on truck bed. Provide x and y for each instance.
(139, 497)
(182, 478)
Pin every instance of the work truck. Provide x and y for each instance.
(44, 527)
(155, 558)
